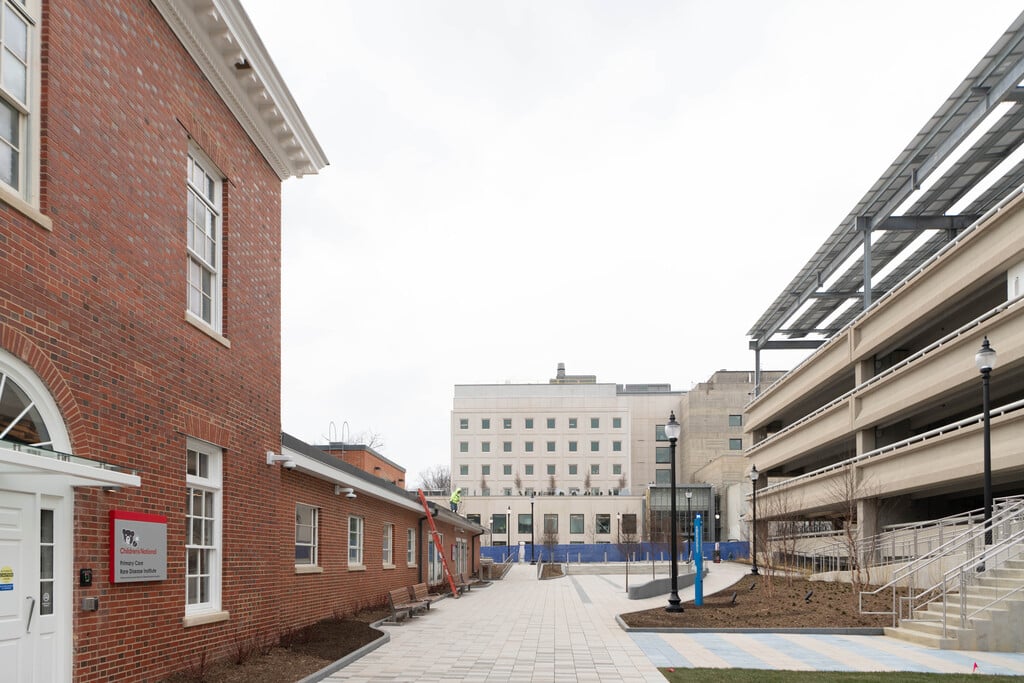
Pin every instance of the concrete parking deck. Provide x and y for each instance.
(524, 630)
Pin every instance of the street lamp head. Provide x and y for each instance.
(754, 474)
(689, 494)
(672, 429)
(509, 509)
(985, 358)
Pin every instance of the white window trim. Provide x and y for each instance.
(358, 563)
(388, 547)
(217, 284)
(26, 198)
(206, 612)
(410, 547)
(314, 545)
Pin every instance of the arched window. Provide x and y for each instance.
(20, 418)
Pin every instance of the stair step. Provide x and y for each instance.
(907, 633)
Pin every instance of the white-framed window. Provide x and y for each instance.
(306, 520)
(410, 547)
(203, 226)
(387, 545)
(355, 541)
(19, 99)
(202, 527)
(435, 566)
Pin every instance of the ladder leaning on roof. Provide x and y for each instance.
(437, 544)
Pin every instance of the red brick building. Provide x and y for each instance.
(142, 148)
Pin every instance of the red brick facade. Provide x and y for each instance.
(95, 306)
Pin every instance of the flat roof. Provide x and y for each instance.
(965, 160)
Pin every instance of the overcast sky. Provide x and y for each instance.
(620, 186)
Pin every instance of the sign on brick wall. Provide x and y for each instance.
(138, 547)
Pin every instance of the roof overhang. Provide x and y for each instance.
(20, 462)
(963, 163)
(221, 39)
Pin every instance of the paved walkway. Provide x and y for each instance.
(524, 630)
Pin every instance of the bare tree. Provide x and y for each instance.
(586, 483)
(437, 478)
(518, 481)
(551, 484)
(549, 538)
(777, 516)
(845, 494)
(622, 482)
(370, 439)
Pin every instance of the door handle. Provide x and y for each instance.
(31, 611)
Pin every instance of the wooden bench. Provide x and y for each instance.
(420, 593)
(463, 585)
(401, 606)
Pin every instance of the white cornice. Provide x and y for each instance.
(219, 37)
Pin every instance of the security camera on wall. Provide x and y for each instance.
(288, 464)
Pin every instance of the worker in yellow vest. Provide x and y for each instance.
(455, 499)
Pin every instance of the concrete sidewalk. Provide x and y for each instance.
(523, 630)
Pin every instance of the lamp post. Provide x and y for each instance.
(532, 525)
(985, 360)
(672, 430)
(753, 527)
(689, 526)
(718, 517)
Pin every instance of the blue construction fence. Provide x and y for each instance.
(609, 552)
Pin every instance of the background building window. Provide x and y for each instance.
(595, 423)
(305, 534)
(551, 469)
(551, 446)
(595, 446)
(595, 469)
(525, 523)
(485, 470)
(528, 423)
(659, 433)
(551, 423)
(735, 444)
(507, 423)
(551, 523)
(528, 447)
(506, 446)
(463, 423)
(616, 423)
(573, 447)
(499, 524)
(463, 470)
(528, 469)
(663, 477)
(576, 523)
(485, 423)
(603, 524)
(485, 446)
(506, 470)
(662, 454)
(572, 423)
(629, 523)
(616, 468)
(735, 420)
(463, 447)
(574, 469)
(617, 446)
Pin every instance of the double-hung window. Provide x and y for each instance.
(204, 240)
(19, 99)
(410, 547)
(387, 547)
(202, 528)
(306, 534)
(355, 542)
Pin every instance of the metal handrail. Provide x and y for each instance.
(1008, 514)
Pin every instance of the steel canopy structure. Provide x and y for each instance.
(961, 164)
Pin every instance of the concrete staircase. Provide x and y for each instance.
(999, 628)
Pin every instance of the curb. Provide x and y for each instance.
(847, 631)
(323, 673)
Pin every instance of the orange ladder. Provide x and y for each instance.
(437, 544)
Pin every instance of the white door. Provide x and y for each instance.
(30, 642)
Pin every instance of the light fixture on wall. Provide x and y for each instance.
(349, 493)
(287, 461)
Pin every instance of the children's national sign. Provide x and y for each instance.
(138, 547)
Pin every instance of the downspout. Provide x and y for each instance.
(419, 550)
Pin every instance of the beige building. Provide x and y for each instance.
(890, 399)
(588, 453)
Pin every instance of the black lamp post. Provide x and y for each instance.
(689, 526)
(754, 526)
(672, 430)
(718, 525)
(508, 528)
(985, 360)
